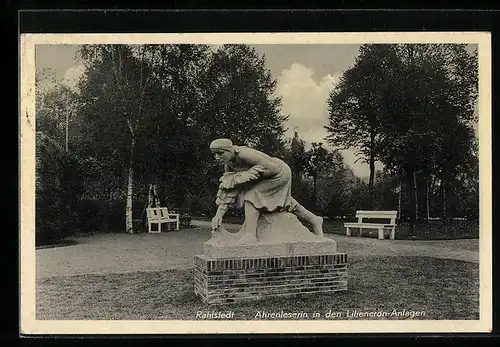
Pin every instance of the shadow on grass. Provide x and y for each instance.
(441, 289)
(433, 230)
(56, 243)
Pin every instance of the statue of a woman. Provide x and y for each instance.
(257, 182)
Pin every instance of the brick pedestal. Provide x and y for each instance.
(219, 281)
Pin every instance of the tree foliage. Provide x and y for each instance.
(360, 101)
(148, 113)
(411, 106)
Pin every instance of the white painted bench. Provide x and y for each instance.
(159, 215)
(360, 215)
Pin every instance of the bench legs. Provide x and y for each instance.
(348, 231)
(154, 232)
(177, 225)
(392, 233)
(381, 234)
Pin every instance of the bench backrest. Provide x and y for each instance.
(360, 215)
(157, 212)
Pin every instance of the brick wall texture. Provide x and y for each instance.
(219, 281)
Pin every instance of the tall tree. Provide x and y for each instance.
(243, 104)
(175, 152)
(402, 104)
(54, 111)
(119, 77)
(204, 94)
(299, 161)
(433, 97)
(359, 101)
(332, 181)
(190, 95)
(319, 162)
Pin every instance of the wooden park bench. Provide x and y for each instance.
(159, 215)
(387, 215)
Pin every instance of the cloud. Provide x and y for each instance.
(72, 76)
(304, 98)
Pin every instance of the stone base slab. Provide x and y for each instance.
(220, 281)
(278, 234)
(320, 245)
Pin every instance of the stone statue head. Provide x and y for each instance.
(223, 150)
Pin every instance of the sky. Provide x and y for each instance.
(305, 75)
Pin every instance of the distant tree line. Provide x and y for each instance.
(145, 114)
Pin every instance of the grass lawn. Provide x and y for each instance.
(434, 230)
(424, 231)
(443, 289)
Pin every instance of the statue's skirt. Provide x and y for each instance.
(273, 193)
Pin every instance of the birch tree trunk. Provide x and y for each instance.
(442, 190)
(371, 180)
(108, 199)
(315, 180)
(130, 189)
(400, 198)
(372, 168)
(432, 195)
(415, 189)
(122, 82)
(427, 205)
(411, 197)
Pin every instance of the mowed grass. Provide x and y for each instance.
(442, 289)
(434, 230)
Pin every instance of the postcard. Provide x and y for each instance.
(255, 183)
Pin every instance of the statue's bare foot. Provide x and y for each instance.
(247, 238)
(317, 226)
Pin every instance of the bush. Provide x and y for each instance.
(115, 213)
(52, 222)
(57, 192)
(185, 220)
(90, 216)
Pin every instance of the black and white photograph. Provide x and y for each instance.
(255, 183)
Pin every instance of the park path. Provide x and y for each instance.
(121, 253)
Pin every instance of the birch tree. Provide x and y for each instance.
(119, 77)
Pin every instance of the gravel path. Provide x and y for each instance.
(121, 253)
